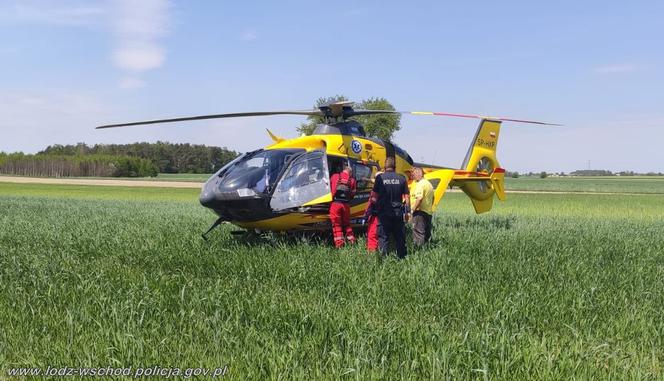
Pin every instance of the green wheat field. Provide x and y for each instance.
(545, 286)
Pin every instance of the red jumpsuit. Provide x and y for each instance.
(340, 212)
(372, 225)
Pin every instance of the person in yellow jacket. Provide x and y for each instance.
(421, 201)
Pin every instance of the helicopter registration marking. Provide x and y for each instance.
(485, 143)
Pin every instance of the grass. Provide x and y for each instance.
(543, 287)
(87, 192)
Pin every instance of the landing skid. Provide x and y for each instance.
(212, 227)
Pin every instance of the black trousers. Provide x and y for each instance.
(392, 227)
(421, 227)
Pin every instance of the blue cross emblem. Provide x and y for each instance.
(356, 146)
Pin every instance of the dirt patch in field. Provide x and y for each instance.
(109, 182)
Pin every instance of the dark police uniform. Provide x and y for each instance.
(390, 187)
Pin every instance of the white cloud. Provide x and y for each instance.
(64, 13)
(644, 120)
(355, 12)
(8, 50)
(139, 27)
(617, 68)
(138, 57)
(32, 120)
(248, 35)
(130, 83)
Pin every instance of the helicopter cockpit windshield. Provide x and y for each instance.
(256, 173)
(307, 178)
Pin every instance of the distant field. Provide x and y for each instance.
(545, 286)
(636, 184)
(195, 177)
(639, 184)
(183, 176)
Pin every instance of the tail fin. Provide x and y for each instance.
(486, 177)
(483, 146)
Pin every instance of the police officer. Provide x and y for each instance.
(389, 194)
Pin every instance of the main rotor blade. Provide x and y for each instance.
(345, 114)
(370, 112)
(215, 116)
(502, 119)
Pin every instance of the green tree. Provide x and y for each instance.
(381, 126)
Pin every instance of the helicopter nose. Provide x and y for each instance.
(208, 195)
(206, 198)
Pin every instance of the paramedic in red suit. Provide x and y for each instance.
(343, 190)
(371, 220)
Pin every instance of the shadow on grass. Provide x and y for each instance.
(253, 239)
(479, 222)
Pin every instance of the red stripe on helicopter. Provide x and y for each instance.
(480, 174)
(457, 115)
(470, 173)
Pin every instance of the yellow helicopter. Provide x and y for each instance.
(285, 186)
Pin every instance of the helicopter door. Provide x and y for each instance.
(306, 179)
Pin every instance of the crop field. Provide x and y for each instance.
(545, 286)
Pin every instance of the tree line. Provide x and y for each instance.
(582, 172)
(51, 165)
(602, 172)
(168, 157)
(119, 160)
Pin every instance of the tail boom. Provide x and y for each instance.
(480, 175)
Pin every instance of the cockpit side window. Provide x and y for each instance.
(306, 179)
(363, 176)
(335, 164)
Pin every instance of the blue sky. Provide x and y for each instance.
(594, 66)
